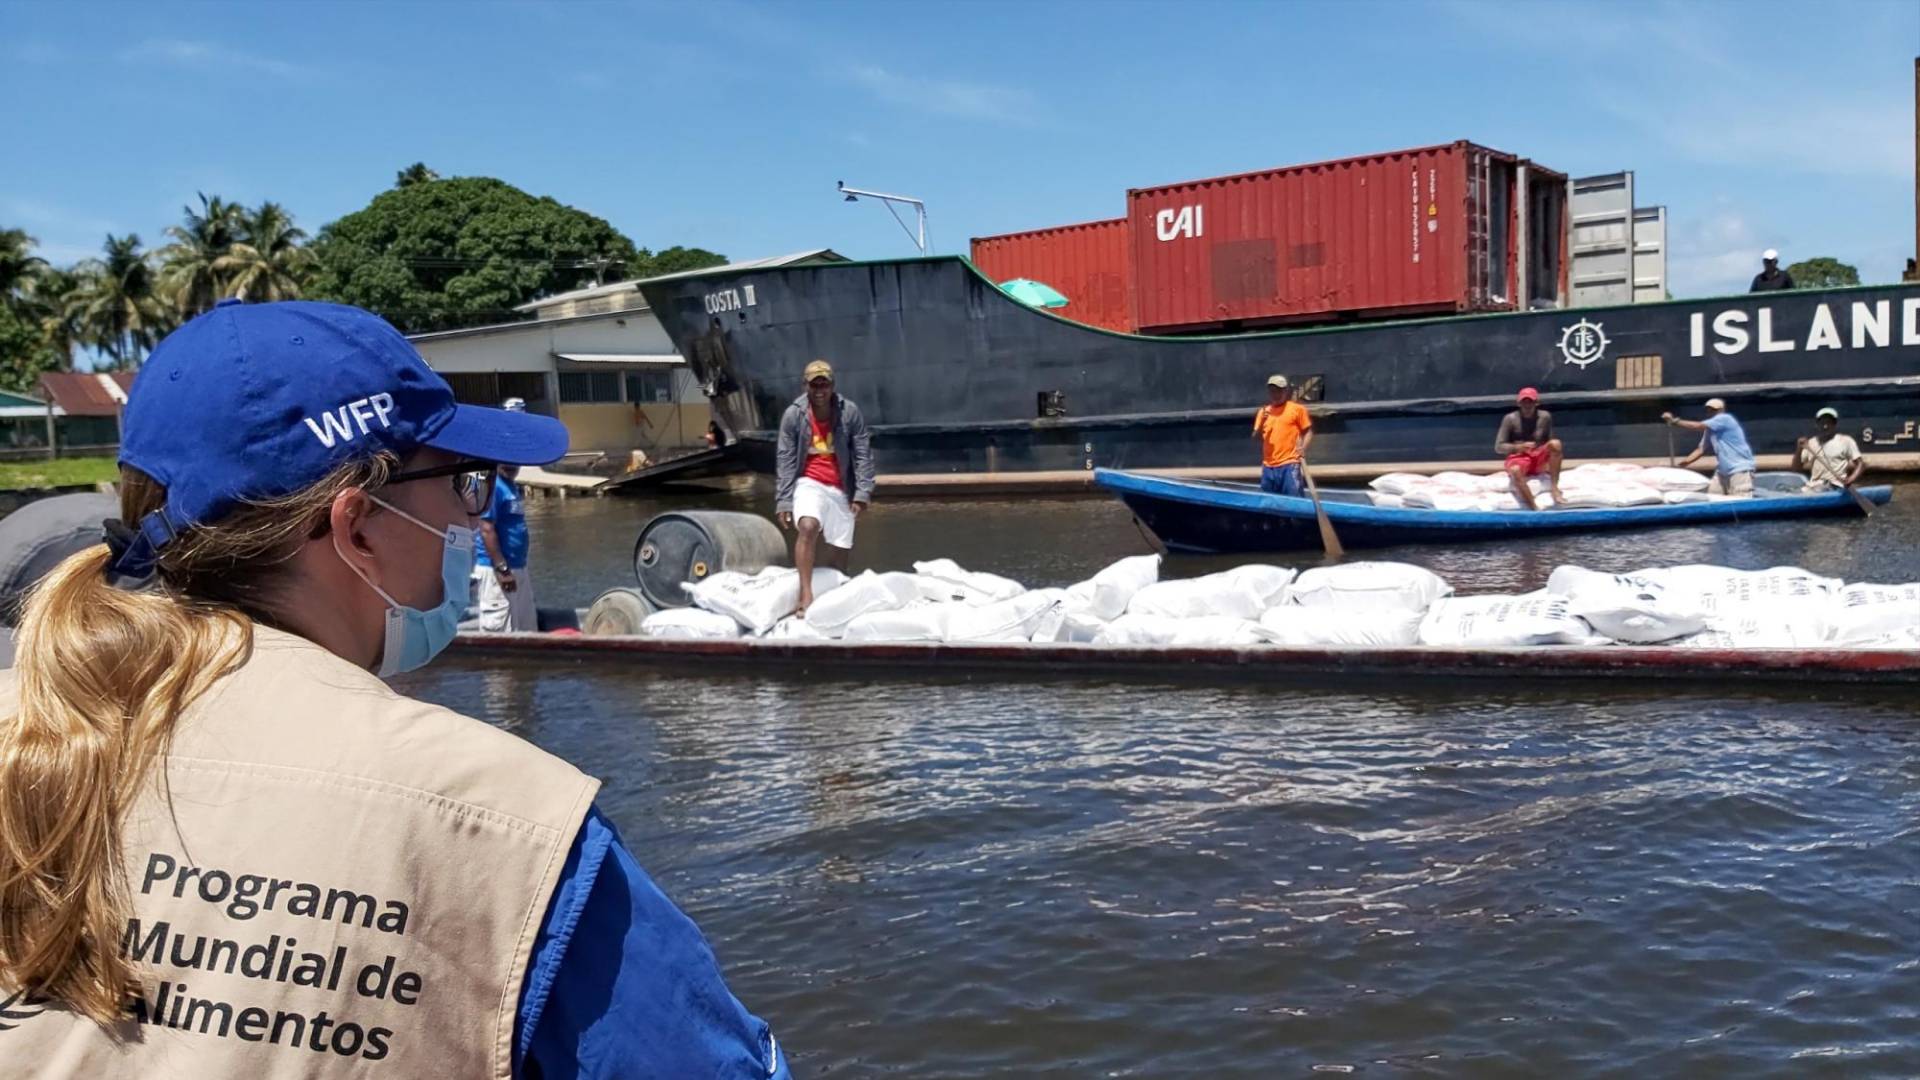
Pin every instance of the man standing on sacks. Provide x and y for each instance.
(823, 475)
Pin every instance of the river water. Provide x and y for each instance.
(1061, 877)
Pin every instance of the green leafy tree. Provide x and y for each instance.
(442, 254)
(267, 260)
(117, 303)
(416, 173)
(1822, 273)
(677, 259)
(190, 266)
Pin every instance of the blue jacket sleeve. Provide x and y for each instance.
(622, 984)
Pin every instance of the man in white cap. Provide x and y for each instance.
(502, 584)
(1722, 436)
(1283, 431)
(1770, 278)
(1830, 458)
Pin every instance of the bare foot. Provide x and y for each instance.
(800, 609)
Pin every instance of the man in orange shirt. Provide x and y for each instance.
(1284, 431)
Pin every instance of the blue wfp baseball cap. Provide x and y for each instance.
(257, 401)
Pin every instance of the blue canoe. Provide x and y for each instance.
(1213, 516)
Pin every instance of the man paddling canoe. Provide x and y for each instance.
(1723, 437)
(1830, 456)
(1526, 439)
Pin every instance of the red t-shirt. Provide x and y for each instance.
(823, 465)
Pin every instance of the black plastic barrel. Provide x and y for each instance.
(684, 547)
(36, 537)
(616, 613)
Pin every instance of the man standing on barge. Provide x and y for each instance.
(823, 476)
(1526, 440)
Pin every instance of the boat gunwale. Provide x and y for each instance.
(1249, 662)
(1222, 495)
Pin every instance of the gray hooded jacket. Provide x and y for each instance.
(852, 445)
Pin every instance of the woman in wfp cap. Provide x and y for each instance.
(227, 848)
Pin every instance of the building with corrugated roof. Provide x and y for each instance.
(597, 360)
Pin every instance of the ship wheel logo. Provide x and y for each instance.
(1583, 343)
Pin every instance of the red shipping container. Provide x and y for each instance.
(1088, 264)
(1426, 231)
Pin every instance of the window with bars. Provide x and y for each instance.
(650, 387)
(589, 387)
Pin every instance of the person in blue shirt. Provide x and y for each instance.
(502, 584)
(1722, 436)
(622, 984)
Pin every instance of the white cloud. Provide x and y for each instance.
(1715, 255)
(946, 97)
(208, 55)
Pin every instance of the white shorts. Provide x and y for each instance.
(829, 507)
(499, 610)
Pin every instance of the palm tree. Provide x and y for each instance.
(19, 266)
(267, 260)
(54, 306)
(116, 305)
(189, 269)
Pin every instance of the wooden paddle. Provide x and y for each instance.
(1669, 446)
(1327, 538)
(1865, 504)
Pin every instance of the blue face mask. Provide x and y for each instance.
(415, 637)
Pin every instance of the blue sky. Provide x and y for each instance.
(725, 125)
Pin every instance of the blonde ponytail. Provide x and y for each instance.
(103, 676)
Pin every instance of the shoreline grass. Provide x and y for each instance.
(61, 472)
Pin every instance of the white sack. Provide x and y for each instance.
(1753, 632)
(1109, 591)
(690, 623)
(794, 628)
(1445, 499)
(1611, 496)
(925, 623)
(1458, 481)
(1675, 498)
(1138, 629)
(1322, 626)
(1663, 478)
(1539, 618)
(1369, 586)
(1012, 619)
(1218, 630)
(759, 601)
(1783, 594)
(1381, 498)
(1397, 483)
(831, 612)
(1904, 638)
(1868, 612)
(1243, 592)
(993, 586)
(1623, 607)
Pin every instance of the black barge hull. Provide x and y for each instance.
(956, 377)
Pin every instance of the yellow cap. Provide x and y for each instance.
(819, 369)
(1279, 381)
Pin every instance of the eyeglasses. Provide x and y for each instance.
(472, 480)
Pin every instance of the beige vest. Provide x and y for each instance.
(343, 882)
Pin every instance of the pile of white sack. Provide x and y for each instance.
(1362, 604)
(1598, 485)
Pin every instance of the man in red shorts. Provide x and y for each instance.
(1526, 439)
